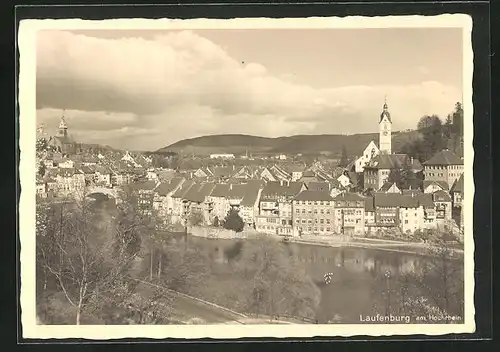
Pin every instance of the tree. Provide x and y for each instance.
(343, 158)
(41, 170)
(458, 119)
(195, 218)
(42, 144)
(216, 222)
(233, 221)
(88, 259)
(279, 285)
(440, 282)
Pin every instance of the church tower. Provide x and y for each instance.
(385, 126)
(63, 128)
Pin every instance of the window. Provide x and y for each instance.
(322, 229)
(315, 221)
(298, 211)
(328, 211)
(315, 211)
(316, 229)
(309, 211)
(322, 221)
(303, 211)
(303, 221)
(309, 229)
(309, 221)
(322, 211)
(327, 221)
(328, 229)
(406, 221)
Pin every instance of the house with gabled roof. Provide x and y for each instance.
(407, 212)
(377, 171)
(196, 200)
(389, 187)
(179, 210)
(457, 192)
(163, 201)
(434, 186)
(275, 207)
(370, 152)
(443, 203)
(444, 166)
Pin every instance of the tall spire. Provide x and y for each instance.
(63, 127)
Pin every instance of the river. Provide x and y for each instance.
(364, 281)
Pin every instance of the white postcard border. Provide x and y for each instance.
(27, 217)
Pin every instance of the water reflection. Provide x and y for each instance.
(360, 284)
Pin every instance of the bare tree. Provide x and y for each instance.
(279, 284)
(89, 261)
(440, 282)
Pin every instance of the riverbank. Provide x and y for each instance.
(420, 248)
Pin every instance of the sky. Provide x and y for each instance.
(144, 90)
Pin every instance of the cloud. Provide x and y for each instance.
(145, 94)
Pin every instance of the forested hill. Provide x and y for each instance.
(304, 144)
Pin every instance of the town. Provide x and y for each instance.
(378, 193)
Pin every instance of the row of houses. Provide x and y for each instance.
(294, 208)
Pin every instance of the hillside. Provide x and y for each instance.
(304, 144)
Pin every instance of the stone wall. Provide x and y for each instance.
(219, 233)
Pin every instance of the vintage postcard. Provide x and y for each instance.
(280, 177)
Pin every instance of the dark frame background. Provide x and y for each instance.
(478, 10)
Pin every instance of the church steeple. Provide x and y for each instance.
(63, 127)
(385, 127)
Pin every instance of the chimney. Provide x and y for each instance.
(281, 182)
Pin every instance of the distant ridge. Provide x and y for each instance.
(304, 144)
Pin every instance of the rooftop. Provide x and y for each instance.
(444, 157)
(308, 195)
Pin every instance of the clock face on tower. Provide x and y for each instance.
(385, 133)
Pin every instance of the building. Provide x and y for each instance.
(163, 201)
(444, 166)
(369, 153)
(369, 214)
(221, 156)
(389, 187)
(377, 171)
(404, 212)
(145, 193)
(196, 201)
(62, 142)
(385, 129)
(349, 214)
(444, 210)
(70, 182)
(434, 186)
(275, 207)
(313, 213)
(457, 192)
(179, 209)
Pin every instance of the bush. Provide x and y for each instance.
(233, 221)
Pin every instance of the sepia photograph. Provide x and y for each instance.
(281, 177)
